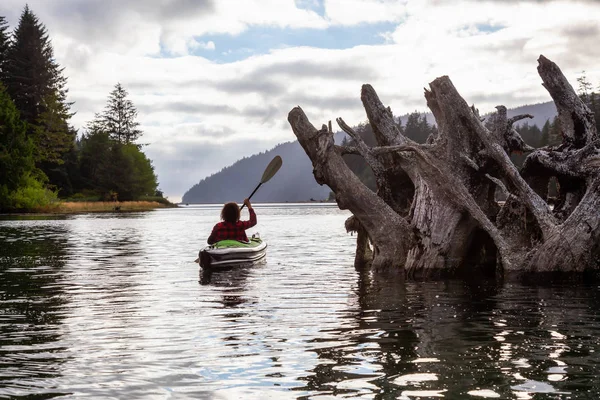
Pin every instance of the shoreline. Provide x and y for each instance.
(80, 207)
(264, 203)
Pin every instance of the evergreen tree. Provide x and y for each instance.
(141, 179)
(118, 118)
(54, 136)
(33, 78)
(589, 97)
(399, 125)
(365, 131)
(109, 167)
(94, 150)
(545, 136)
(555, 134)
(531, 135)
(16, 151)
(35, 83)
(584, 87)
(594, 105)
(417, 128)
(4, 46)
(20, 182)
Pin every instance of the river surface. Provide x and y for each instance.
(113, 306)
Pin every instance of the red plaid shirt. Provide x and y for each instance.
(233, 231)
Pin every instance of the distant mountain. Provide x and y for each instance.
(295, 181)
(541, 112)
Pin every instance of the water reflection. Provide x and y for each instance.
(455, 339)
(111, 306)
(31, 304)
(230, 283)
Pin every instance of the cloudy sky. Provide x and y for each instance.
(213, 80)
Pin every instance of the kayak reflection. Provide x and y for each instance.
(230, 284)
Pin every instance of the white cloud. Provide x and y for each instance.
(199, 116)
(353, 12)
(147, 27)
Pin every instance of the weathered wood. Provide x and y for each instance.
(364, 254)
(577, 123)
(390, 233)
(435, 210)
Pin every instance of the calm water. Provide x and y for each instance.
(113, 306)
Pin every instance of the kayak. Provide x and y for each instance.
(232, 253)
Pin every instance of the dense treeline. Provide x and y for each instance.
(42, 157)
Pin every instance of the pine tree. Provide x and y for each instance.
(35, 83)
(16, 151)
(4, 46)
(545, 137)
(417, 128)
(555, 134)
(110, 163)
(584, 87)
(53, 135)
(589, 97)
(94, 150)
(595, 107)
(118, 118)
(32, 74)
(21, 185)
(399, 124)
(530, 134)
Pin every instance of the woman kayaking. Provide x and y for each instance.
(238, 251)
(231, 227)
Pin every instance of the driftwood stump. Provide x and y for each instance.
(435, 210)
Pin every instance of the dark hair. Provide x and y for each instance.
(230, 212)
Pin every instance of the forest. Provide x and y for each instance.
(43, 158)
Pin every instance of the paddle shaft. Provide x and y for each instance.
(270, 171)
(251, 194)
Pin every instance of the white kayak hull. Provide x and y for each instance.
(212, 257)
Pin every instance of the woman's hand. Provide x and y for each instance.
(247, 203)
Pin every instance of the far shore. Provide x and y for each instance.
(266, 202)
(75, 207)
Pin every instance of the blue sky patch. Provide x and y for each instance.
(487, 28)
(260, 40)
(318, 6)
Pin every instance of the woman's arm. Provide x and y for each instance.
(250, 223)
(211, 238)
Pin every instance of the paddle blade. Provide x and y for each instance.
(271, 169)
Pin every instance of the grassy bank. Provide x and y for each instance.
(73, 207)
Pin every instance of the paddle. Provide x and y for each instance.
(270, 171)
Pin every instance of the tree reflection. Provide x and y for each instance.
(31, 301)
(377, 343)
(449, 338)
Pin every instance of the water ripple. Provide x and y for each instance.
(113, 306)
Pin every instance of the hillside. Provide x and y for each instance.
(295, 181)
(541, 112)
